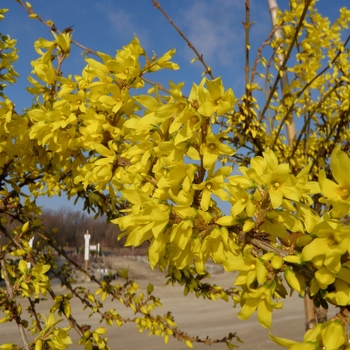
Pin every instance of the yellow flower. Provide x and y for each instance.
(212, 148)
(215, 99)
(261, 300)
(214, 184)
(241, 200)
(251, 268)
(273, 177)
(328, 335)
(325, 251)
(338, 195)
(187, 124)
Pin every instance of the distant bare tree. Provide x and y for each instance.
(72, 225)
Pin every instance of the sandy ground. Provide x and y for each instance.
(195, 316)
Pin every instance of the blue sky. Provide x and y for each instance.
(213, 26)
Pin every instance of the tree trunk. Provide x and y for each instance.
(310, 316)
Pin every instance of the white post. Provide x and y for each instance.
(87, 250)
(31, 241)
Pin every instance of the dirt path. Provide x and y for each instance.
(195, 316)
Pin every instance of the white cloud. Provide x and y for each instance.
(215, 28)
(120, 21)
(123, 23)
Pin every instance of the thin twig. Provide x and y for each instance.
(291, 131)
(53, 28)
(247, 26)
(264, 245)
(286, 58)
(305, 87)
(161, 87)
(12, 296)
(311, 114)
(199, 56)
(259, 53)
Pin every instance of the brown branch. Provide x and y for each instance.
(308, 121)
(323, 70)
(12, 296)
(291, 131)
(4, 169)
(199, 56)
(72, 321)
(259, 53)
(303, 90)
(65, 255)
(32, 310)
(267, 247)
(10, 237)
(161, 87)
(4, 207)
(178, 334)
(247, 26)
(53, 28)
(286, 58)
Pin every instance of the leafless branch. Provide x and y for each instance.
(199, 56)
